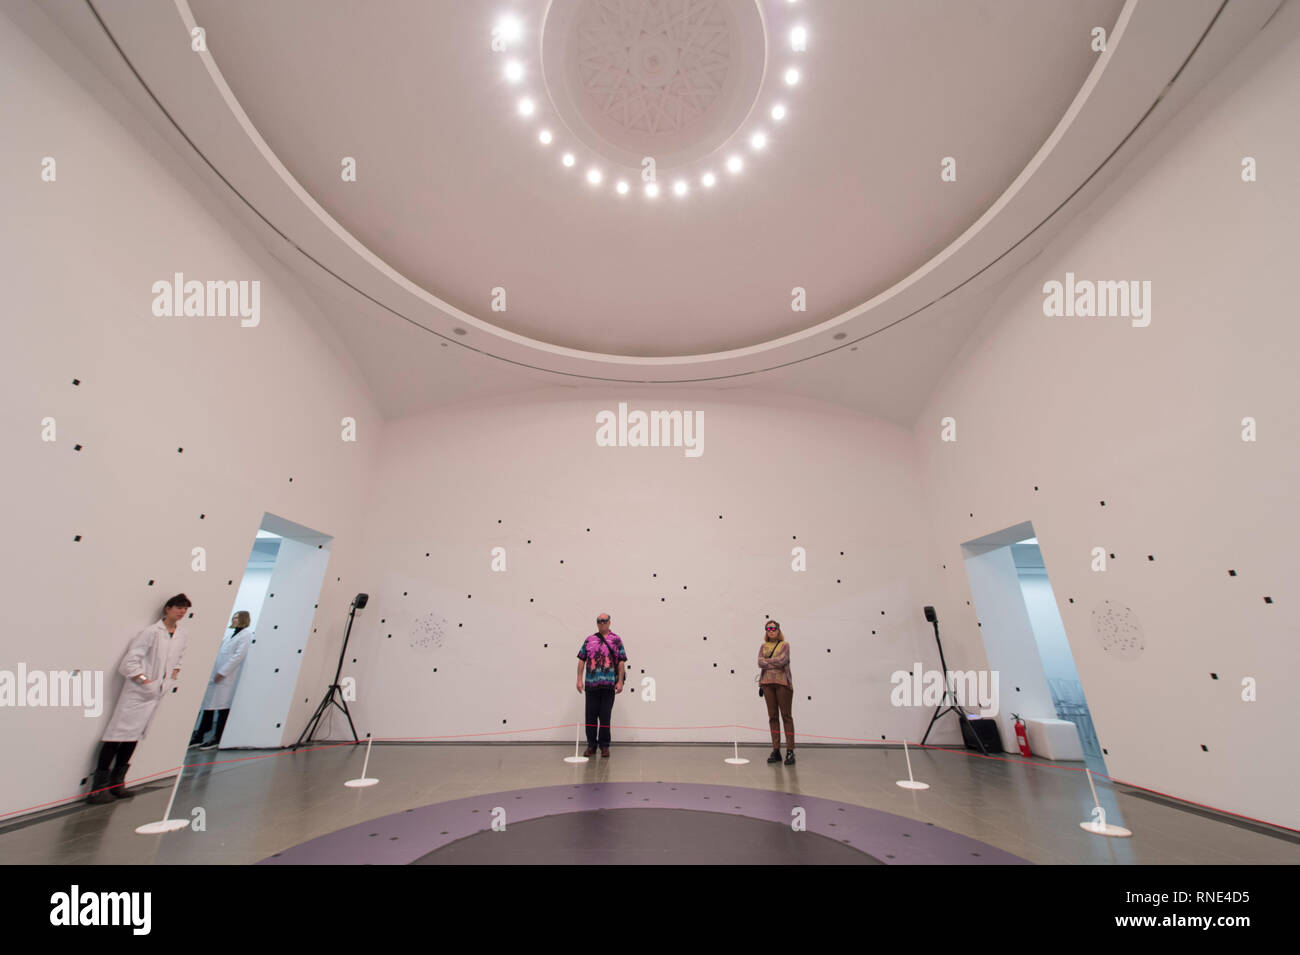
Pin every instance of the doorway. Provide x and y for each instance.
(279, 591)
(1024, 636)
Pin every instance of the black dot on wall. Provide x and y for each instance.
(706, 638)
(837, 580)
(1214, 676)
(1035, 487)
(1268, 600)
(588, 530)
(151, 583)
(715, 666)
(426, 553)
(528, 542)
(719, 517)
(77, 537)
(1105, 751)
(1204, 748)
(468, 596)
(460, 625)
(77, 381)
(180, 450)
(498, 520)
(1103, 503)
(561, 562)
(277, 725)
(828, 649)
(503, 721)
(683, 586)
(1071, 600)
(1112, 556)
(733, 671)
(76, 447)
(403, 593)
(277, 669)
(1151, 557)
(1232, 573)
(654, 575)
(530, 599)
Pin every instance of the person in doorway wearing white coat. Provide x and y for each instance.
(221, 687)
(151, 666)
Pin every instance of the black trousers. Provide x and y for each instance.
(109, 749)
(600, 705)
(205, 724)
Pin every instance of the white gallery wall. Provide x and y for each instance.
(1054, 416)
(677, 548)
(256, 410)
(501, 529)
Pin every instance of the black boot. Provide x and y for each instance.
(118, 782)
(100, 783)
(789, 757)
(775, 757)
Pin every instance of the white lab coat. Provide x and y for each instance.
(230, 658)
(155, 653)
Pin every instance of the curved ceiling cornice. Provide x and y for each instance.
(1148, 44)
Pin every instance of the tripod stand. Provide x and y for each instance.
(334, 695)
(948, 696)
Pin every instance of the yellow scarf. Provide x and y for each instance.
(770, 648)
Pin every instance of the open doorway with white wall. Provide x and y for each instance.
(251, 685)
(1025, 640)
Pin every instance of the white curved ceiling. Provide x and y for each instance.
(455, 196)
(455, 192)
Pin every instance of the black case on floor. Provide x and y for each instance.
(987, 730)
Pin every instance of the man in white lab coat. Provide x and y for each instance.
(221, 686)
(151, 666)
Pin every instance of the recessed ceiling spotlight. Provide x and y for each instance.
(708, 179)
(514, 71)
(735, 164)
(509, 29)
(758, 140)
(652, 189)
(621, 188)
(791, 76)
(593, 176)
(460, 331)
(679, 187)
(568, 159)
(526, 107)
(799, 39)
(778, 112)
(545, 137)
(839, 335)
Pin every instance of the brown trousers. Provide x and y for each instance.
(780, 696)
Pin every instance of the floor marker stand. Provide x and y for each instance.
(736, 760)
(1101, 827)
(577, 735)
(164, 824)
(909, 782)
(364, 780)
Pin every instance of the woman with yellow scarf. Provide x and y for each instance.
(777, 688)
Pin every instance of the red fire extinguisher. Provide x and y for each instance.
(1022, 738)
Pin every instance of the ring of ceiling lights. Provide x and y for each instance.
(639, 94)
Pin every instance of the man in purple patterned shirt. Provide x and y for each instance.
(600, 676)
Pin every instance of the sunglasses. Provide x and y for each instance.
(602, 620)
(773, 629)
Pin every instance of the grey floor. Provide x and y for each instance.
(257, 803)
